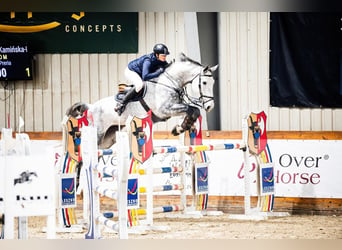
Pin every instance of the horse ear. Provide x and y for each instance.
(182, 57)
(214, 68)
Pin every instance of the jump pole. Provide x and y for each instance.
(89, 156)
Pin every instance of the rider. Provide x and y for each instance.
(142, 69)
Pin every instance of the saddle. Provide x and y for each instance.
(124, 88)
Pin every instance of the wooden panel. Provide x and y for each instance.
(47, 95)
(233, 94)
(263, 62)
(65, 84)
(38, 94)
(142, 33)
(305, 123)
(214, 134)
(75, 79)
(252, 65)
(327, 119)
(103, 80)
(242, 70)
(294, 119)
(224, 84)
(93, 69)
(122, 64)
(113, 74)
(284, 122)
(179, 36)
(316, 120)
(27, 110)
(160, 29)
(337, 119)
(84, 78)
(3, 101)
(56, 108)
(273, 118)
(18, 104)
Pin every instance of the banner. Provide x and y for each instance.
(79, 32)
(302, 168)
(305, 60)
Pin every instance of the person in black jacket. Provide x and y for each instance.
(144, 68)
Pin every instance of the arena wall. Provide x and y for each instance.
(234, 204)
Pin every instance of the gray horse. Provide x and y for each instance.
(166, 96)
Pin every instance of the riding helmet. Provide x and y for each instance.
(160, 48)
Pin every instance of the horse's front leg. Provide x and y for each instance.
(192, 114)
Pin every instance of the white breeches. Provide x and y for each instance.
(133, 78)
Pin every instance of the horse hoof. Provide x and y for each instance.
(175, 132)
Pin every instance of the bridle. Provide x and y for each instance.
(183, 93)
(202, 99)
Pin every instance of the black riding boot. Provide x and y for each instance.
(120, 106)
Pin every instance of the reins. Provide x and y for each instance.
(183, 93)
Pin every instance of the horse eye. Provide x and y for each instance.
(204, 83)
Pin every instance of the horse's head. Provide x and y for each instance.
(203, 88)
(202, 83)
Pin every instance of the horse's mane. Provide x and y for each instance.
(184, 58)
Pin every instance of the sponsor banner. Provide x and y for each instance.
(133, 192)
(201, 180)
(78, 32)
(266, 179)
(302, 168)
(309, 168)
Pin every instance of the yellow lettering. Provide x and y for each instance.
(78, 17)
(29, 14)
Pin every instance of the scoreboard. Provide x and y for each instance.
(15, 63)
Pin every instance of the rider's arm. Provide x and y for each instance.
(146, 74)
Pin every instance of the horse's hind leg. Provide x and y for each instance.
(191, 116)
(108, 138)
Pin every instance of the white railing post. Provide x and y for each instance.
(247, 200)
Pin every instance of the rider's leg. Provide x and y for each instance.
(122, 104)
(134, 78)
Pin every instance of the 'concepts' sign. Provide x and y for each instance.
(79, 32)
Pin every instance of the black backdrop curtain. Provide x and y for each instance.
(305, 59)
